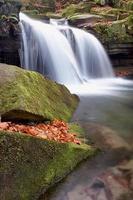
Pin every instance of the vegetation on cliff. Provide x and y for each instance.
(110, 20)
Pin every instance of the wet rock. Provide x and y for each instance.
(9, 8)
(27, 95)
(9, 17)
(104, 137)
(84, 20)
(127, 170)
(10, 32)
(109, 185)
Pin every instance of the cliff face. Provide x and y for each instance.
(110, 20)
(9, 31)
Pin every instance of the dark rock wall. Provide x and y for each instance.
(10, 32)
(121, 55)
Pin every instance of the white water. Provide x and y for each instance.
(47, 50)
(69, 56)
(89, 53)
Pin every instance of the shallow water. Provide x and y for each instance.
(107, 102)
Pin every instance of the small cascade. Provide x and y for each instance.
(65, 54)
(47, 51)
(89, 52)
(90, 55)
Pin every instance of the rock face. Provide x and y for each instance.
(118, 40)
(112, 25)
(27, 95)
(30, 165)
(10, 7)
(9, 31)
(40, 6)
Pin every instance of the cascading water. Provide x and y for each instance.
(90, 54)
(75, 58)
(47, 50)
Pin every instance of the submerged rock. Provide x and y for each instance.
(27, 95)
(30, 165)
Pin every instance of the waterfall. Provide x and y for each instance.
(65, 54)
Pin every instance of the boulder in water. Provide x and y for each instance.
(27, 95)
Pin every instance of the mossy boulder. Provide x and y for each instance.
(30, 165)
(130, 24)
(27, 95)
(84, 19)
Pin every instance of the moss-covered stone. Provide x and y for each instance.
(128, 4)
(29, 165)
(73, 9)
(116, 31)
(76, 128)
(110, 13)
(84, 19)
(54, 15)
(28, 95)
(130, 24)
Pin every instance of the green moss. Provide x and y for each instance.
(130, 5)
(29, 92)
(122, 4)
(130, 20)
(29, 165)
(100, 2)
(31, 12)
(83, 16)
(76, 9)
(53, 15)
(76, 128)
(113, 32)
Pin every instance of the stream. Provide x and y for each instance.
(107, 119)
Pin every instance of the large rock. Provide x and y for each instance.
(81, 20)
(30, 165)
(28, 95)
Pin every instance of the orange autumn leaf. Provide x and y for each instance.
(4, 125)
(56, 130)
